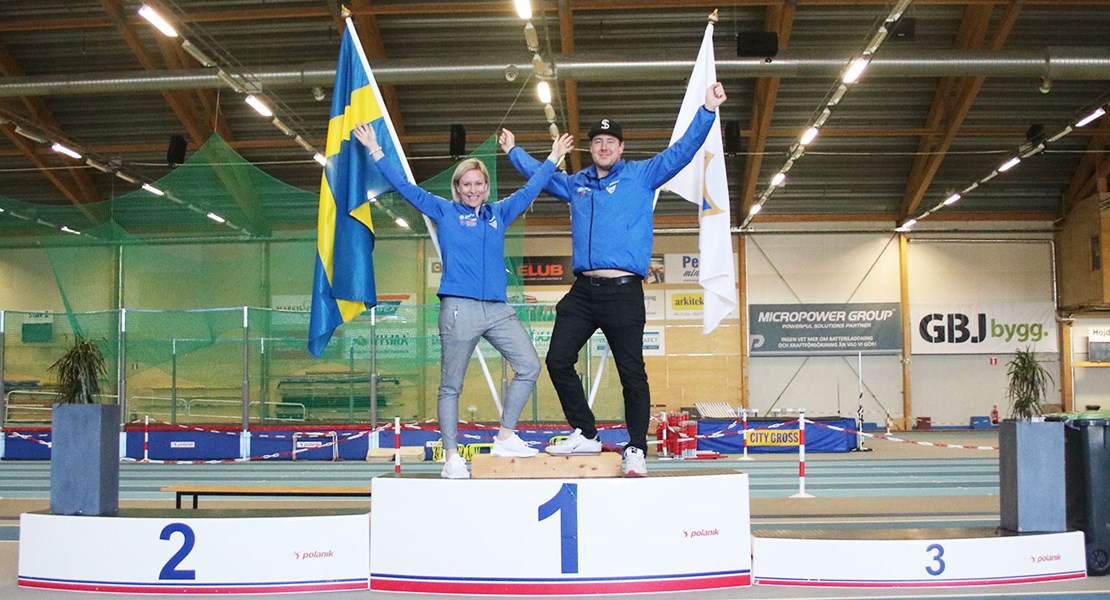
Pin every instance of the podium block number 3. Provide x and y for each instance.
(564, 502)
(170, 570)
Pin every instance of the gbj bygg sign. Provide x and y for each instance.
(983, 329)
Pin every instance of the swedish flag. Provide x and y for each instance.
(343, 285)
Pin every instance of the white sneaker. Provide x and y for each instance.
(575, 443)
(633, 463)
(455, 468)
(513, 446)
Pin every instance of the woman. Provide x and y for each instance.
(472, 296)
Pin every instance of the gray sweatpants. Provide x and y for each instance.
(462, 322)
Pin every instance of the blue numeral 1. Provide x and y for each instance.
(565, 502)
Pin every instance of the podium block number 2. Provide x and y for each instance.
(564, 502)
(170, 570)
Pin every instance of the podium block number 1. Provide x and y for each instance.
(564, 502)
(170, 570)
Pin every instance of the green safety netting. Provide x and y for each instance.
(184, 354)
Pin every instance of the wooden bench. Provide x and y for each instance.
(196, 491)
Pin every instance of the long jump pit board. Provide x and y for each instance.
(561, 536)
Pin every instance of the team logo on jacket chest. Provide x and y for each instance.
(468, 220)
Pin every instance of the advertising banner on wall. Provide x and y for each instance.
(655, 342)
(810, 329)
(684, 304)
(983, 328)
(684, 268)
(545, 270)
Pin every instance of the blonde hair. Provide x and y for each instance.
(470, 164)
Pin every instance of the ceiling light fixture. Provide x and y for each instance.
(1091, 117)
(216, 218)
(60, 149)
(954, 198)
(34, 137)
(320, 159)
(259, 106)
(153, 190)
(755, 209)
(523, 8)
(148, 13)
(856, 69)
(126, 177)
(531, 38)
(1009, 164)
(543, 91)
(808, 136)
(779, 178)
(197, 53)
(401, 222)
(99, 166)
(68, 230)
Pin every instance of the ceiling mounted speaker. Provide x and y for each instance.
(905, 30)
(757, 44)
(458, 141)
(175, 154)
(734, 144)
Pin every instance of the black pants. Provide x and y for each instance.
(618, 310)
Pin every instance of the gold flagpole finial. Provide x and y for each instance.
(713, 16)
(344, 12)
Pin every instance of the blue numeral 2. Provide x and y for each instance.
(565, 502)
(170, 570)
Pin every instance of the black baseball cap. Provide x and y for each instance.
(608, 127)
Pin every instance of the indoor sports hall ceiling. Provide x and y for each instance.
(954, 89)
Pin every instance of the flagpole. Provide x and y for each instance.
(408, 172)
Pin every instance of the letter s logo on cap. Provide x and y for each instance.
(605, 123)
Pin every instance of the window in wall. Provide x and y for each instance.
(1096, 253)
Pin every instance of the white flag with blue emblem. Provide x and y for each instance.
(703, 182)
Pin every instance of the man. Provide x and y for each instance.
(611, 205)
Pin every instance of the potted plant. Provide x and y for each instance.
(84, 453)
(1028, 384)
(1031, 451)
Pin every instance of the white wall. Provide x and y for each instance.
(824, 268)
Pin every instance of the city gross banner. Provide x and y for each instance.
(983, 328)
(812, 329)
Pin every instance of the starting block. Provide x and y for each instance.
(546, 466)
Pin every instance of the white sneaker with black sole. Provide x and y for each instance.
(575, 443)
(633, 463)
(514, 447)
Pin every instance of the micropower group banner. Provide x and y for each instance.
(983, 328)
(811, 329)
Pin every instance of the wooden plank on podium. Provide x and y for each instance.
(546, 466)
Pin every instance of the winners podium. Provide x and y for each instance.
(560, 536)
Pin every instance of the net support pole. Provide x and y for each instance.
(373, 367)
(3, 402)
(597, 378)
(744, 443)
(802, 456)
(173, 381)
(859, 403)
(396, 444)
(121, 367)
(245, 388)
